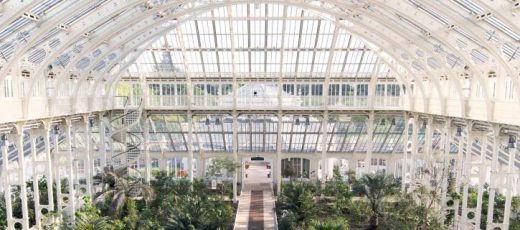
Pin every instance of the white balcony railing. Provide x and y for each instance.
(268, 102)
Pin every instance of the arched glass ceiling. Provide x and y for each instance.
(428, 36)
(259, 41)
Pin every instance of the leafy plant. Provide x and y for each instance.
(297, 204)
(334, 223)
(3, 213)
(118, 189)
(376, 187)
(89, 217)
(220, 164)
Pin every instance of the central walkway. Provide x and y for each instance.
(256, 202)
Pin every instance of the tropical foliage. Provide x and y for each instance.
(373, 201)
(219, 164)
(125, 202)
(117, 190)
(376, 187)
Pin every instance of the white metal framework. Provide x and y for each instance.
(385, 84)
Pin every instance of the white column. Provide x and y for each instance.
(494, 173)
(190, 144)
(404, 161)
(70, 170)
(278, 165)
(390, 167)
(146, 141)
(202, 172)
(22, 177)
(89, 165)
(370, 134)
(466, 167)
(510, 186)
(7, 183)
(427, 152)
(167, 167)
(57, 172)
(482, 177)
(413, 155)
(48, 169)
(446, 167)
(34, 135)
(175, 169)
(201, 166)
(324, 144)
(428, 135)
(110, 153)
(161, 162)
(235, 153)
(102, 141)
(352, 165)
(459, 165)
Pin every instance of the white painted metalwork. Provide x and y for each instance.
(384, 84)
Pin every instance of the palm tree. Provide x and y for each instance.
(91, 223)
(376, 187)
(117, 188)
(182, 212)
(297, 201)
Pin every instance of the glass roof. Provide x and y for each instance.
(251, 39)
(259, 42)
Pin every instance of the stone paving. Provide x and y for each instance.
(256, 202)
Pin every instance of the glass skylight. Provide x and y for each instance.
(245, 42)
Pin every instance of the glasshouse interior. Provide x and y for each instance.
(255, 114)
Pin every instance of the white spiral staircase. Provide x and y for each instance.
(122, 126)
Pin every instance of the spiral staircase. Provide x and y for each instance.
(122, 126)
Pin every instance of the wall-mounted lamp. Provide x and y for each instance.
(512, 142)
(207, 121)
(307, 121)
(383, 122)
(459, 131)
(56, 129)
